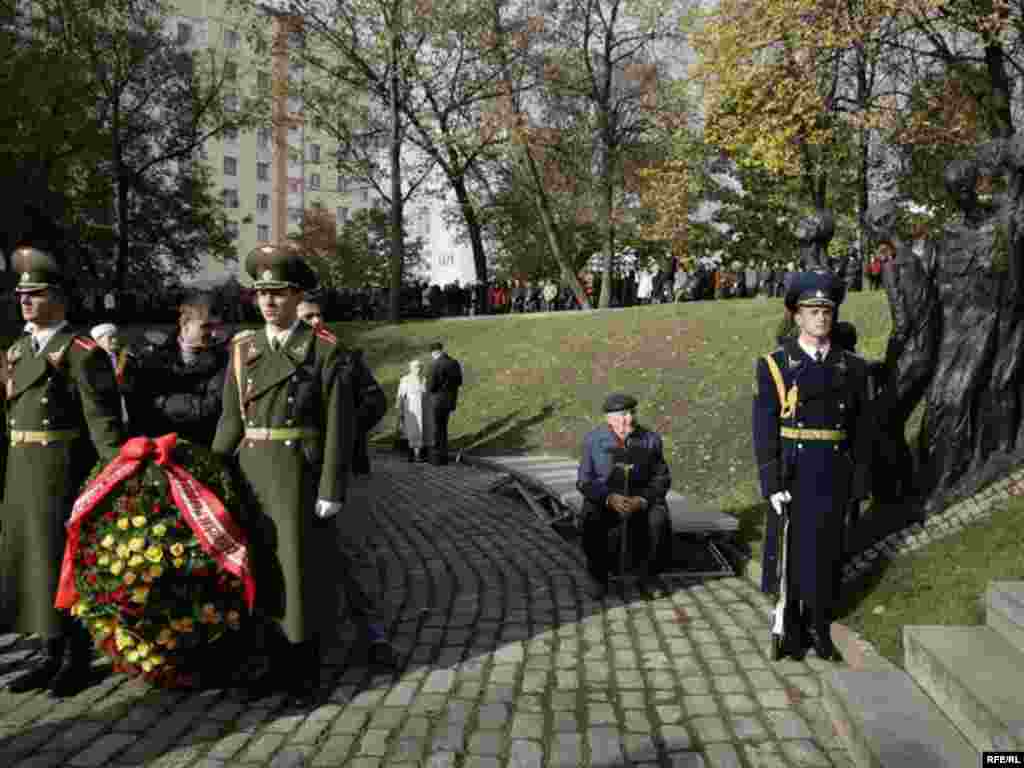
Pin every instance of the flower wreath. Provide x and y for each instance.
(155, 565)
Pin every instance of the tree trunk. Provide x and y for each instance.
(607, 227)
(476, 239)
(397, 244)
(548, 220)
(120, 209)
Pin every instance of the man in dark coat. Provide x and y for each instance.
(289, 417)
(178, 382)
(610, 496)
(812, 440)
(443, 384)
(64, 411)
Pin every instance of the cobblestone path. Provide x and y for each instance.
(506, 662)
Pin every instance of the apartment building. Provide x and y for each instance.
(269, 177)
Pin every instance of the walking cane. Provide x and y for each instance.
(623, 534)
(779, 624)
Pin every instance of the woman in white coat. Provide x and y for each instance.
(413, 413)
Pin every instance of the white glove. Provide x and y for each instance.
(325, 509)
(778, 499)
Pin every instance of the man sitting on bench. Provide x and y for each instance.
(624, 479)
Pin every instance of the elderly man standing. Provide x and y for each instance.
(63, 409)
(443, 384)
(290, 417)
(812, 440)
(623, 478)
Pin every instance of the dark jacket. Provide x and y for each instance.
(598, 476)
(370, 403)
(444, 381)
(170, 395)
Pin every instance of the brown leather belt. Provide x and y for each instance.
(21, 436)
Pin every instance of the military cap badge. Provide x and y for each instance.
(268, 275)
(25, 277)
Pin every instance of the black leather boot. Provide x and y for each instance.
(43, 670)
(279, 666)
(304, 682)
(75, 674)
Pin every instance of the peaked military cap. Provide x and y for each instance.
(619, 401)
(814, 289)
(279, 266)
(37, 270)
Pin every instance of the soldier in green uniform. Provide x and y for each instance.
(289, 415)
(63, 408)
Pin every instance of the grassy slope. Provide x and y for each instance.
(535, 383)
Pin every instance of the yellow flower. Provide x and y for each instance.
(123, 523)
(177, 549)
(123, 551)
(156, 571)
(108, 541)
(132, 656)
(130, 577)
(123, 640)
(144, 649)
(116, 567)
(210, 614)
(137, 544)
(147, 665)
(154, 554)
(159, 530)
(77, 608)
(104, 560)
(157, 659)
(140, 594)
(136, 560)
(139, 520)
(179, 562)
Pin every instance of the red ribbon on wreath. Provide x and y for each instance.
(218, 534)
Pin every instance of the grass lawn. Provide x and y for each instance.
(535, 383)
(944, 583)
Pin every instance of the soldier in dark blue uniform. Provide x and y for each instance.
(812, 439)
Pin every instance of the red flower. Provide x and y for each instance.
(109, 515)
(91, 578)
(89, 557)
(120, 594)
(201, 572)
(156, 508)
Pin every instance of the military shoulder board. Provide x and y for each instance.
(325, 335)
(242, 336)
(87, 344)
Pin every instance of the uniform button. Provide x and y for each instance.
(250, 443)
(837, 449)
(46, 422)
(45, 443)
(291, 399)
(288, 443)
(44, 400)
(799, 446)
(799, 423)
(841, 406)
(290, 422)
(12, 422)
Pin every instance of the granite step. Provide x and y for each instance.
(886, 721)
(975, 676)
(1004, 610)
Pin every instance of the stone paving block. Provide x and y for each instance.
(722, 756)
(640, 747)
(787, 725)
(387, 718)
(333, 752)
(284, 723)
(292, 757)
(350, 721)
(101, 751)
(601, 714)
(737, 702)
(486, 743)
(804, 752)
(527, 726)
(260, 749)
(774, 699)
(675, 738)
(41, 760)
(493, 716)
(686, 760)
(374, 743)
(525, 754)
(696, 685)
(605, 746)
(480, 761)
(629, 679)
(729, 684)
(748, 728)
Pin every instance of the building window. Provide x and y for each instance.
(342, 215)
(231, 38)
(231, 135)
(295, 39)
(342, 184)
(230, 166)
(230, 198)
(231, 102)
(263, 202)
(263, 232)
(295, 70)
(263, 171)
(232, 230)
(314, 153)
(295, 215)
(230, 71)
(184, 33)
(314, 181)
(263, 138)
(365, 195)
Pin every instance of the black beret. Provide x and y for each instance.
(815, 289)
(619, 401)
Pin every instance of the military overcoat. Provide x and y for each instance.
(818, 447)
(69, 388)
(306, 387)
